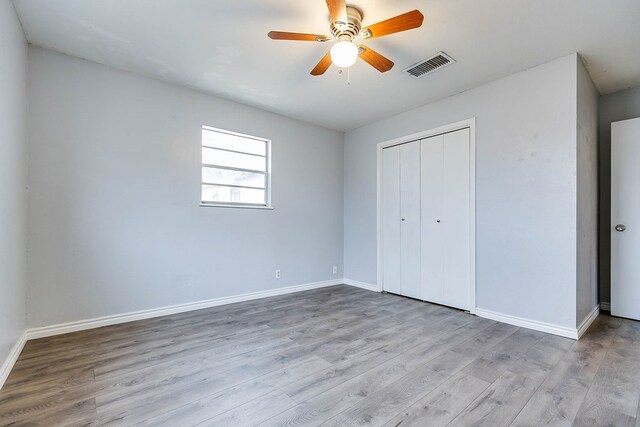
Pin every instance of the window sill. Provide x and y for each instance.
(217, 205)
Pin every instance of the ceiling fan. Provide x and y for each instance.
(346, 28)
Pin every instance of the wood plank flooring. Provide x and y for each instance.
(331, 356)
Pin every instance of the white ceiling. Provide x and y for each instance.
(221, 47)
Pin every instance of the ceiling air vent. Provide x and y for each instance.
(429, 65)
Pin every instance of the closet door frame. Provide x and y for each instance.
(471, 125)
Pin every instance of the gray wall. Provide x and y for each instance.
(13, 107)
(114, 221)
(617, 106)
(587, 207)
(525, 195)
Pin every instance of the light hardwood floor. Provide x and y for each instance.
(332, 356)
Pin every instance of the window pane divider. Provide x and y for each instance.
(233, 186)
(231, 168)
(234, 151)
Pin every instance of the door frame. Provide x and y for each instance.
(452, 127)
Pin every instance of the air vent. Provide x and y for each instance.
(429, 65)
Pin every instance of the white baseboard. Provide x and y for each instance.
(605, 306)
(528, 323)
(363, 285)
(98, 322)
(588, 320)
(11, 359)
(81, 325)
(64, 328)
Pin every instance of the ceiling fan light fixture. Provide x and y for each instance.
(344, 54)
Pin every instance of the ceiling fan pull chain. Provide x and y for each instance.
(349, 76)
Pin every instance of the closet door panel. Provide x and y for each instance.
(410, 219)
(391, 253)
(431, 235)
(456, 220)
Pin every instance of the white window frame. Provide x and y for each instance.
(267, 172)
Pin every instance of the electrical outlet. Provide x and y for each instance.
(335, 269)
(278, 274)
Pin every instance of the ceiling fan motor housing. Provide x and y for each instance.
(348, 30)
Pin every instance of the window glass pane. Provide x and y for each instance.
(222, 194)
(231, 177)
(236, 160)
(232, 142)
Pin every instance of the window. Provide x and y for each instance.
(235, 169)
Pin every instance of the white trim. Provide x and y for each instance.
(81, 325)
(11, 359)
(98, 322)
(471, 125)
(605, 306)
(238, 206)
(472, 209)
(588, 320)
(362, 285)
(550, 328)
(452, 127)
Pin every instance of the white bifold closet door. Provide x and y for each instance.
(401, 219)
(445, 218)
(426, 219)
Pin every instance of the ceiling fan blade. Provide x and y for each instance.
(404, 22)
(282, 35)
(322, 66)
(337, 10)
(376, 60)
